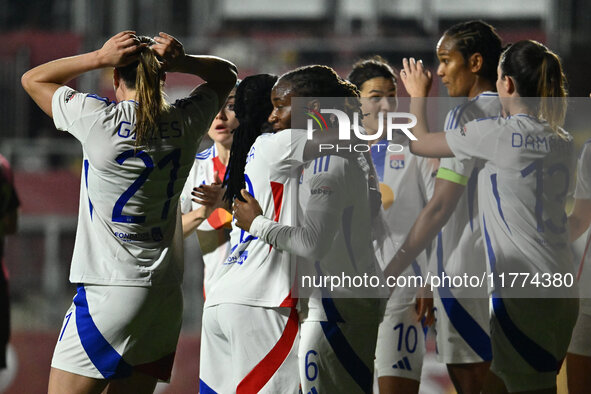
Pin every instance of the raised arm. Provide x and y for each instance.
(219, 74)
(42, 81)
(417, 82)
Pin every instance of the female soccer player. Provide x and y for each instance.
(406, 184)
(468, 54)
(137, 155)
(339, 329)
(578, 358)
(527, 175)
(250, 326)
(209, 167)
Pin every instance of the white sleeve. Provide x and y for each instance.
(76, 112)
(286, 150)
(321, 219)
(475, 139)
(583, 188)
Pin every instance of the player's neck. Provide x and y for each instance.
(480, 86)
(223, 153)
(124, 94)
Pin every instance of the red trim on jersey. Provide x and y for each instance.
(289, 301)
(160, 369)
(277, 190)
(219, 217)
(258, 377)
(219, 167)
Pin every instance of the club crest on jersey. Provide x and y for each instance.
(69, 96)
(463, 131)
(397, 162)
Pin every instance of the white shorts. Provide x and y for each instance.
(111, 331)
(462, 328)
(337, 357)
(401, 343)
(248, 349)
(580, 342)
(530, 338)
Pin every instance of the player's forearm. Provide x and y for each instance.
(211, 69)
(429, 222)
(63, 70)
(192, 220)
(427, 144)
(311, 241)
(42, 81)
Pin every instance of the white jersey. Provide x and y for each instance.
(129, 228)
(406, 184)
(214, 233)
(334, 237)
(523, 187)
(583, 191)
(254, 273)
(460, 248)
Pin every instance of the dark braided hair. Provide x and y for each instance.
(322, 81)
(252, 106)
(373, 67)
(478, 37)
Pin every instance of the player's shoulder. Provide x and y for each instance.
(70, 96)
(206, 154)
(483, 106)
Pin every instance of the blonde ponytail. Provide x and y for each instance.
(150, 97)
(552, 92)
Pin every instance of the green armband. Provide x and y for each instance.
(449, 175)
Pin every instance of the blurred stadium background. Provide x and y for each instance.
(258, 36)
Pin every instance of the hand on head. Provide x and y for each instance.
(415, 78)
(169, 49)
(121, 49)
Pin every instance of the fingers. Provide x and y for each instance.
(247, 196)
(405, 68)
(411, 66)
(165, 36)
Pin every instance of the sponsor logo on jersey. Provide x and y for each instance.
(127, 237)
(322, 190)
(69, 96)
(397, 162)
(240, 259)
